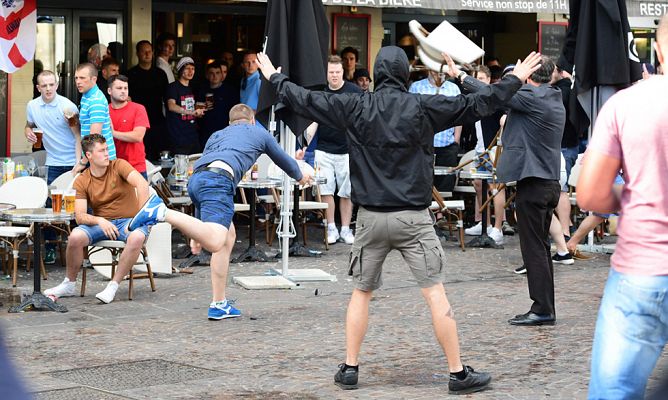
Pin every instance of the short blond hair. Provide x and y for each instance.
(241, 112)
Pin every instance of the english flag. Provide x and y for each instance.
(18, 33)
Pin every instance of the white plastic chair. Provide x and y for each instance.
(23, 192)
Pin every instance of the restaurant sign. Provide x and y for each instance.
(635, 8)
(524, 6)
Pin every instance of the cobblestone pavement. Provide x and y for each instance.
(289, 342)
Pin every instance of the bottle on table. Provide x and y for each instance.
(255, 172)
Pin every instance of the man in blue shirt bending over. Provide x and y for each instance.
(228, 154)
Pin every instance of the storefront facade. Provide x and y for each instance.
(507, 29)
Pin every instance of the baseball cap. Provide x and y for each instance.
(361, 72)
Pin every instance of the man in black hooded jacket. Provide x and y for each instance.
(390, 138)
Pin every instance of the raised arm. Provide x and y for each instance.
(324, 108)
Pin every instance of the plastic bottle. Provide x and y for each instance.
(255, 173)
(10, 169)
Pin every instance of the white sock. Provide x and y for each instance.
(113, 285)
(345, 228)
(562, 253)
(68, 282)
(221, 303)
(331, 225)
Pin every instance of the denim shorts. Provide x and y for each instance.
(95, 233)
(213, 197)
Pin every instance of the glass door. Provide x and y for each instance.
(53, 51)
(65, 36)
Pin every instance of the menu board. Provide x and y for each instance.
(352, 30)
(551, 36)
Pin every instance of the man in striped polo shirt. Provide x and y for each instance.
(94, 109)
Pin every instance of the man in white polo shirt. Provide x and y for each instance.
(61, 138)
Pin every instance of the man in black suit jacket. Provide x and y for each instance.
(531, 157)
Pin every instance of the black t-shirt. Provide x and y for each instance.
(331, 140)
(147, 87)
(182, 128)
(225, 97)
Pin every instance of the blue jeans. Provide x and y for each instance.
(571, 156)
(52, 173)
(213, 197)
(631, 331)
(95, 233)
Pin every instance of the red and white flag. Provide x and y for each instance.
(18, 33)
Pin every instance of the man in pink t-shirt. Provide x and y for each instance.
(129, 122)
(631, 133)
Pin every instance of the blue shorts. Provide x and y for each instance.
(95, 233)
(213, 197)
(618, 181)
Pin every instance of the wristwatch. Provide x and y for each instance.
(461, 76)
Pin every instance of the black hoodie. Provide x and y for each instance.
(390, 131)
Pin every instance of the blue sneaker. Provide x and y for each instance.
(222, 310)
(151, 213)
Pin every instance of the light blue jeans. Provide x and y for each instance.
(631, 331)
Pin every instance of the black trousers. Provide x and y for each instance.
(535, 202)
(446, 157)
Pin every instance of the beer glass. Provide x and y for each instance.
(70, 196)
(57, 200)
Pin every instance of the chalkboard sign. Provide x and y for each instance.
(352, 30)
(551, 37)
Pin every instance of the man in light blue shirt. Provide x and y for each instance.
(94, 111)
(446, 143)
(55, 116)
(250, 84)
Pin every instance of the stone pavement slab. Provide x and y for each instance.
(288, 343)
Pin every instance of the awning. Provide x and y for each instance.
(636, 8)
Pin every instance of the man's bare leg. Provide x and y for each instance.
(357, 320)
(499, 210)
(346, 210)
(220, 264)
(477, 185)
(445, 326)
(76, 243)
(130, 254)
(211, 236)
(330, 207)
(556, 232)
(563, 211)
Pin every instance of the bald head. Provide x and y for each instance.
(241, 113)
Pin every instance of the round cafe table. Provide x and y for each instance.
(36, 216)
(252, 253)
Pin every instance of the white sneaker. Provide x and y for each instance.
(332, 235)
(476, 230)
(497, 235)
(348, 236)
(107, 295)
(65, 289)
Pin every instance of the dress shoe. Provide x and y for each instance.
(532, 319)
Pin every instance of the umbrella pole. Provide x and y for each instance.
(286, 206)
(594, 112)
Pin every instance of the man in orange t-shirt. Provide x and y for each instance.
(115, 192)
(129, 123)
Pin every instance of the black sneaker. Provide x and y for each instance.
(521, 270)
(50, 256)
(565, 259)
(346, 377)
(474, 382)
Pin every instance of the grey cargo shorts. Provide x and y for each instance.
(409, 232)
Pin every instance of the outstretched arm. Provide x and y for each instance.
(323, 108)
